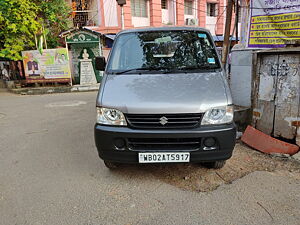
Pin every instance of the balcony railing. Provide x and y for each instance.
(85, 13)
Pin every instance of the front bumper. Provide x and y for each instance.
(106, 136)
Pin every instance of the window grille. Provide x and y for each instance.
(85, 13)
(164, 4)
(188, 7)
(139, 8)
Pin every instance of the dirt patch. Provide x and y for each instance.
(194, 177)
(244, 161)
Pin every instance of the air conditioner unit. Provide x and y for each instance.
(191, 22)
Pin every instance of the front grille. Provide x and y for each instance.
(173, 144)
(149, 121)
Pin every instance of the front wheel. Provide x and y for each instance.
(111, 165)
(214, 165)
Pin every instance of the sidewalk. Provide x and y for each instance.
(52, 90)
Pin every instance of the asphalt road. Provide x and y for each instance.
(50, 174)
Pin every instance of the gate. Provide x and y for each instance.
(276, 96)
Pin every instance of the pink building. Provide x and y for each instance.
(105, 15)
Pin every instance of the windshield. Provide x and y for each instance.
(163, 51)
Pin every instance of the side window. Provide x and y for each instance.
(117, 56)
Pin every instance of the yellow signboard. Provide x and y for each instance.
(274, 23)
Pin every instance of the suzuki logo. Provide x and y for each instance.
(163, 120)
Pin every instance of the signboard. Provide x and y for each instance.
(82, 37)
(51, 66)
(274, 23)
(87, 74)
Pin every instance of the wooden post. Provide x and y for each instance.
(227, 32)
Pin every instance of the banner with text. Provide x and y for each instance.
(274, 23)
(50, 66)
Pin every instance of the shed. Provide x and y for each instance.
(83, 41)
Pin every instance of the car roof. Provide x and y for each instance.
(168, 28)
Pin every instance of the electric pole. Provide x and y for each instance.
(121, 3)
(237, 14)
(227, 32)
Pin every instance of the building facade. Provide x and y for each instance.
(105, 15)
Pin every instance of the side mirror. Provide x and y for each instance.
(100, 63)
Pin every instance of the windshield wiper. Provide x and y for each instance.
(141, 69)
(167, 70)
(189, 68)
(198, 67)
(130, 70)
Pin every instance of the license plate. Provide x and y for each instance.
(164, 157)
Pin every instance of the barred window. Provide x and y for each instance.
(188, 7)
(212, 9)
(164, 4)
(139, 8)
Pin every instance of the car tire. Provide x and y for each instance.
(215, 165)
(111, 165)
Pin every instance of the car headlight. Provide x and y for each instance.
(218, 115)
(112, 117)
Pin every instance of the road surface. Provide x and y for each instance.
(50, 173)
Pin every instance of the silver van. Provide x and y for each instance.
(164, 99)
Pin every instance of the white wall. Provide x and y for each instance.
(95, 16)
(142, 21)
(110, 13)
(165, 16)
(241, 77)
(171, 5)
(195, 10)
(211, 24)
(168, 14)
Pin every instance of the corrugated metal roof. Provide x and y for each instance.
(221, 38)
(110, 36)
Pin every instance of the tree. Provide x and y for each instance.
(22, 20)
(54, 16)
(18, 25)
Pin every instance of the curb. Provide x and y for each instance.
(53, 90)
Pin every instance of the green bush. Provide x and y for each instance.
(21, 20)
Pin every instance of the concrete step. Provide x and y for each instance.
(2, 84)
(51, 90)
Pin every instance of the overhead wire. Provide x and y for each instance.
(242, 6)
(191, 7)
(219, 17)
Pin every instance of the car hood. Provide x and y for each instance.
(163, 93)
